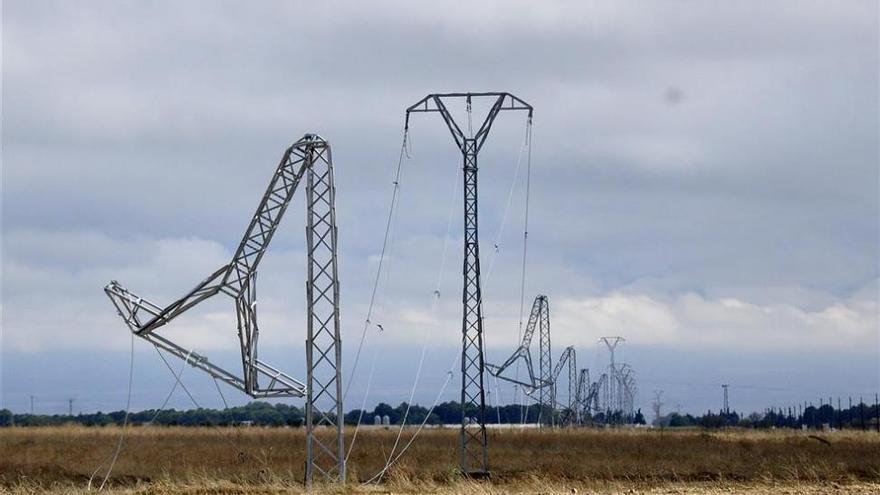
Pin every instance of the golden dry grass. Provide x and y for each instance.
(256, 460)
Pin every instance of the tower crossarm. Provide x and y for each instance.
(435, 102)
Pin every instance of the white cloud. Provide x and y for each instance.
(691, 321)
(53, 298)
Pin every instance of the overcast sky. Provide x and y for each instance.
(704, 183)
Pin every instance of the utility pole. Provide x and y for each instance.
(877, 412)
(70, 407)
(726, 405)
(474, 457)
(32, 405)
(862, 412)
(849, 413)
(839, 415)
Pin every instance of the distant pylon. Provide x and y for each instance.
(726, 406)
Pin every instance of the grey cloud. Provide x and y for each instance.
(138, 138)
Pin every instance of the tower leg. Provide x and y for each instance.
(546, 393)
(325, 447)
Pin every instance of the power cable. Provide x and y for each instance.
(434, 305)
(387, 242)
(177, 381)
(124, 425)
(222, 398)
(177, 377)
(391, 208)
(449, 376)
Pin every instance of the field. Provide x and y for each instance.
(256, 460)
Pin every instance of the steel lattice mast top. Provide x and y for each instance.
(473, 447)
(308, 158)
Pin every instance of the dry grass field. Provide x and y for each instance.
(256, 460)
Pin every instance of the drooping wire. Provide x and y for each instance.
(405, 152)
(449, 375)
(500, 233)
(391, 208)
(222, 397)
(379, 328)
(363, 402)
(115, 455)
(497, 244)
(525, 246)
(435, 299)
(177, 377)
(177, 381)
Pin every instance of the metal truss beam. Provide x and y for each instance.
(474, 460)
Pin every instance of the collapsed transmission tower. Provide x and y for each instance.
(539, 318)
(588, 400)
(309, 157)
(474, 458)
(569, 412)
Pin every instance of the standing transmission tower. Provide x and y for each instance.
(310, 158)
(474, 458)
(620, 388)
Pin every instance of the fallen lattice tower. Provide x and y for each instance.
(307, 159)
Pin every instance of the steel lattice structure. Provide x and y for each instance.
(569, 412)
(539, 319)
(588, 400)
(310, 157)
(474, 458)
(620, 388)
(545, 359)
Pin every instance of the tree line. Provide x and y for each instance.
(266, 414)
(861, 416)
